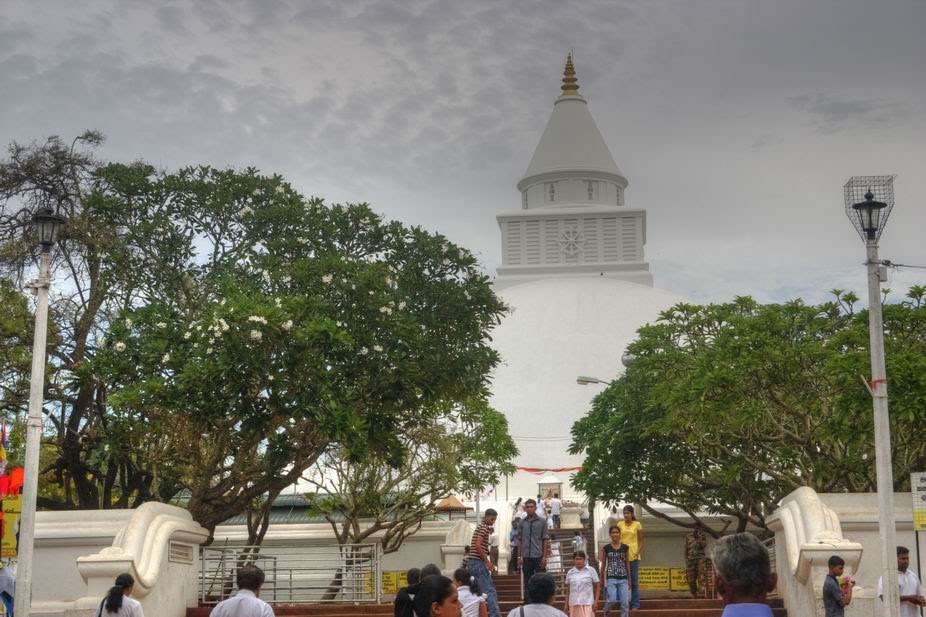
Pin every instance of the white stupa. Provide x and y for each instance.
(574, 274)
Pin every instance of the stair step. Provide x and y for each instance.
(667, 607)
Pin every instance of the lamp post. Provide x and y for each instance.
(869, 201)
(47, 224)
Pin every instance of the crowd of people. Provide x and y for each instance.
(742, 572)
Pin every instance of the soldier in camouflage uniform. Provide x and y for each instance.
(696, 562)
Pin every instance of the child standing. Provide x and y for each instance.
(582, 588)
(834, 598)
(632, 535)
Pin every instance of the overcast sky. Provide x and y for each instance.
(736, 122)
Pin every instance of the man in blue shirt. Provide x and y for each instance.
(743, 576)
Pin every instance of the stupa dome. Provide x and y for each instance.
(559, 329)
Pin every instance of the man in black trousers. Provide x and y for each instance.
(533, 542)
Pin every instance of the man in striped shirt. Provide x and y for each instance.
(480, 563)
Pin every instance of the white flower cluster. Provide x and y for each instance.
(385, 310)
(165, 358)
(218, 327)
(256, 335)
(279, 189)
(287, 325)
(119, 346)
(161, 324)
(128, 323)
(327, 278)
(258, 319)
(402, 305)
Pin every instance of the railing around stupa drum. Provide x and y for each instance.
(315, 573)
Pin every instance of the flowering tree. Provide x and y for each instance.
(730, 407)
(270, 326)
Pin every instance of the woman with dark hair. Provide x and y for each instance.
(118, 601)
(632, 536)
(472, 603)
(437, 597)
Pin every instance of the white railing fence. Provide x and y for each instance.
(316, 573)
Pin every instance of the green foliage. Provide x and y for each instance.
(270, 326)
(213, 331)
(462, 450)
(730, 407)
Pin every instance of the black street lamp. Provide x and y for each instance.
(869, 215)
(47, 224)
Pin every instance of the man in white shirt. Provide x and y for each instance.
(245, 603)
(911, 592)
(556, 507)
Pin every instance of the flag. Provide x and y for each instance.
(3, 448)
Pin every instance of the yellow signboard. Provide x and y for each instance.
(663, 579)
(393, 581)
(678, 579)
(654, 579)
(918, 488)
(12, 510)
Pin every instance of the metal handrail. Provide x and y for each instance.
(315, 573)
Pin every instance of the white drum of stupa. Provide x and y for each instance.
(575, 278)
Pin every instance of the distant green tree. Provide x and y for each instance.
(462, 450)
(730, 407)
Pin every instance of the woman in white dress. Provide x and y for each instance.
(119, 601)
(472, 602)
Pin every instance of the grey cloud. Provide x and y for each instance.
(13, 39)
(206, 62)
(173, 18)
(832, 114)
(431, 109)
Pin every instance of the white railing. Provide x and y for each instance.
(319, 573)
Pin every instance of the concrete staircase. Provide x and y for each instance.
(508, 587)
(648, 608)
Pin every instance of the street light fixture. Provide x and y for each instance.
(585, 380)
(47, 225)
(869, 201)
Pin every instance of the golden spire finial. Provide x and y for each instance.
(570, 85)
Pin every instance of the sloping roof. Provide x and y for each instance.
(451, 504)
(571, 142)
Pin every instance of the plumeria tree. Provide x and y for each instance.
(730, 407)
(270, 326)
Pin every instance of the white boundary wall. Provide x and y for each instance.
(80, 553)
(809, 528)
